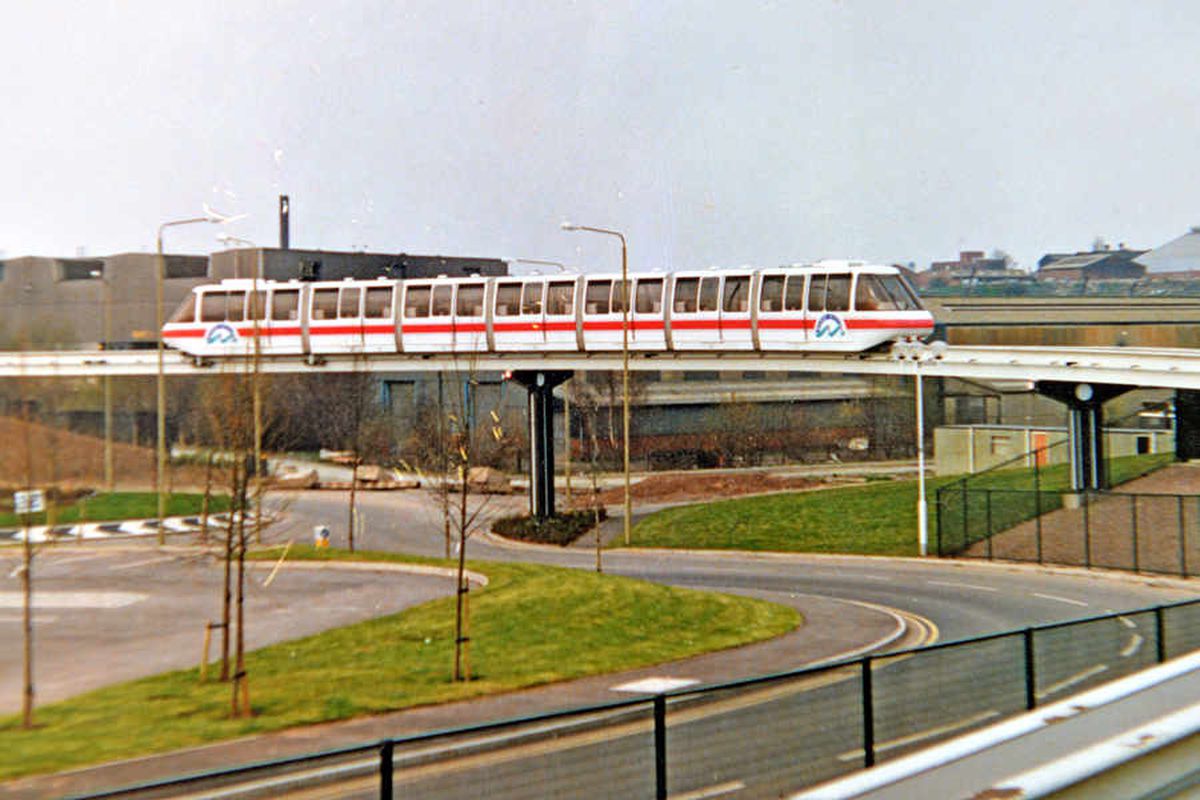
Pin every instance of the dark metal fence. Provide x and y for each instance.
(763, 736)
(1158, 533)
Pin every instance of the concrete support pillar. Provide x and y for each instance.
(1085, 429)
(1187, 424)
(540, 385)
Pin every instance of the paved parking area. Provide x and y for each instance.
(105, 612)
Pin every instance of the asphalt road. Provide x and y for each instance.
(763, 743)
(107, 613)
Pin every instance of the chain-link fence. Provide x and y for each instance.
(761, 737)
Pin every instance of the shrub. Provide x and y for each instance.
(560, 529)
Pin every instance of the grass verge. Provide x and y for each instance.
(121, 506)
(532, 624)
(873, 519)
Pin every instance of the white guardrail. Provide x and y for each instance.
(1150, 367)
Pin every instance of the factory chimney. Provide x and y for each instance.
(284, 208)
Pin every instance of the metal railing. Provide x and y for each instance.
(764, 735)
(1157, 533)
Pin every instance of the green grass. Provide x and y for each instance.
(532, 624)
(873, 519)
(120, 506)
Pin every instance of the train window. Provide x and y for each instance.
(772, 293)
(257, 308)
(235, 309)
(709, 293)
(348, 304)
(186, 311)
(620, 297)
(837, 296)
(900, 293)
(378, 303)
(324, 304)
(737, 294)
(560, 298)
(816, 292)
(285, 304)
(597, 298)
(443, 298)
(416, 302)
(508, 299)
(794, 294)
(649, 296)
(531, 297)
(685, 295)
(871, 295)
(470, 300)
(212, 307)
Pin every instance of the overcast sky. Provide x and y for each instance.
(710, 133)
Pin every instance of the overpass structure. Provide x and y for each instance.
(1081, 377)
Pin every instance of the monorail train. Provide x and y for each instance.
(828, 306)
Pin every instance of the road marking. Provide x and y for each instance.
(919, 736)
(957, 585)
(654, 685)
(1060, 599)
(62, 562)
(1128, 623)
(40, 619)
(715, 790)
(1071, 681)
(1134, 645)
(72, 599)
(143, 562)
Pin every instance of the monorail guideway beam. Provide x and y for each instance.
(1085, 428)
(540, 384)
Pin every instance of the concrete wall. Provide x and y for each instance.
(962, 449)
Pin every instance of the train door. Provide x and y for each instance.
(221, 314)
(470, 323)
(561, 324)
(696, 312)
(281, 331)
(828, 307)
(649, 331)
(422, 330)
(378, 325)
(519, 323)
(603, 314)
(736, 330)
(781, 322)
(327, 332)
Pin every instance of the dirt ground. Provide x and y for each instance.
(74, 461)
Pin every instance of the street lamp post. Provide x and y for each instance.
(919, 353)
(567, 226)
(161, 394)
(257, 313)
(106, 290)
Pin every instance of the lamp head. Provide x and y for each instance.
(568, 226)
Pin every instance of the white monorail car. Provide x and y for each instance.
(829, 306)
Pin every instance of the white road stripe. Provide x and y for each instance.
(919, 736)
(1127, 622)
(715, 790)
(38, 619)
(143, 562)
(1134, 645)
(72, 599)
(1071, 681)
(1060, 599)
(957, 585)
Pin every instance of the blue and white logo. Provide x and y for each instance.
(829, 326)
(221, 334)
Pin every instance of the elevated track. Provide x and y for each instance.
(1172, 368)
